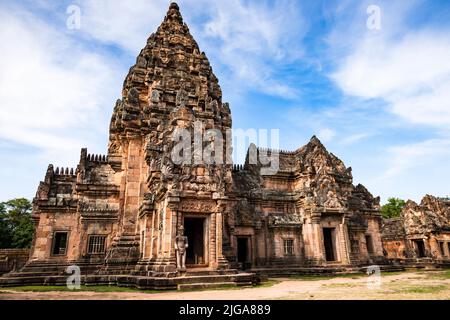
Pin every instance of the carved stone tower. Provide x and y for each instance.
(168, 166)
(171, 87)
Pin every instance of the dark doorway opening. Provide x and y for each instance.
(328, 239)
(420, 247)
(369, 244)
(194, 230)
(243, 251)
(442, 248)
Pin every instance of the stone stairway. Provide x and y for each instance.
(193, 279)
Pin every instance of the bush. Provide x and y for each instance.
(392, 208)
(16, 225)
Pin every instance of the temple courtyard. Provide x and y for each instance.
(409, 285)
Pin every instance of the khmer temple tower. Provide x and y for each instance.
(117, 215)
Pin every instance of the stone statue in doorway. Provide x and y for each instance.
(181, 244)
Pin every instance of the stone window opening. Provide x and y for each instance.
(288, 247)
(59, 247)
(96, 244)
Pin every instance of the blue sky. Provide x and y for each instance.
(378, 99)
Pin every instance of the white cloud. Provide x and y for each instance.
(411, 156)
(122, 23)
(52, 90)
(409, 69)
(246, 41)
(412, 74)
(354, 138)
(326, 134)
(254, 39)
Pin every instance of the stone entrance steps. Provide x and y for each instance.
(206, 272)
(54, 273)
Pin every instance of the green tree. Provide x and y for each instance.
(5, 232)
(392, 208)
(16, 225)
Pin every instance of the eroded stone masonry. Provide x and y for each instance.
(119, 213)
(421, 233)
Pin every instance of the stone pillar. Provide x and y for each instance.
(171, 228)
(319, 253)
(170, 232)
(132, 185)
(212, 240)
(222, 262)
(153, 235)
(344, 241)
(159, 230)
(313, 239)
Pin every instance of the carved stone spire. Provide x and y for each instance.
(170, 71)
(174, 14)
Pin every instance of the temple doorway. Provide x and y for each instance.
(328, 239)
(243, 251)
(194, 229)
(420, 248)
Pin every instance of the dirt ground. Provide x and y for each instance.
(406, 285)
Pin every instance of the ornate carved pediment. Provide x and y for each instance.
(245, 214)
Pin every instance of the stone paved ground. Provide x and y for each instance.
(407, 285)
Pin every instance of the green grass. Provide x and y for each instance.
(344, 285)
(267, 284)
(446, 274)
(305, 277)
(221, 287)
(324, 277)
(83, 289)
(106, 289)
(421, 289)
(394, 273)
(439, 275)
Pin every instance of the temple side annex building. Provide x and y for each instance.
(421, 233)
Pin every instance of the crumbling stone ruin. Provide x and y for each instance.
(13, 259)
(116, 216)
(421, 233)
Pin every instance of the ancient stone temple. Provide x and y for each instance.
(421, 233)
(121, 213)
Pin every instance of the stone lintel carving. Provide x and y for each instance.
(283, 220)
(197, 206)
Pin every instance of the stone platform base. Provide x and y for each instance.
(138, 282)
(422, 263)
(329, 270)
